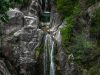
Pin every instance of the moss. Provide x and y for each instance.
(37, 52)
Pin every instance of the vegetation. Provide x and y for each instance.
(67, 30)
(85, 51)
(65, 7)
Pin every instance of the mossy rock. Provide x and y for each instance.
(95, 70)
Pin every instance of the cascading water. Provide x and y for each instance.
(46, 4)
(48, 48)
(48, 55)
(51, 30)
(52, 69)
(54, 30)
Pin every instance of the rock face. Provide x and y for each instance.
(20, 38)
(28, 38)
(3, 69)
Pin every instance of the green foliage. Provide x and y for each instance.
(76, 10)
(84, 50)
(65, 7)
(81, 49)
(66, 31)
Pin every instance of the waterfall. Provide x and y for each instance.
(29, 34)
(51, 60)
(46, 4)
(48, 55)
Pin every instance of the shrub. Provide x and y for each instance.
(66, 31)
(65, 7)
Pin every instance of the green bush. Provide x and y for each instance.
(65, 7)
(81, 49)
(66, 31)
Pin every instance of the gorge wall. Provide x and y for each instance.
(23, 38)
(68, 44)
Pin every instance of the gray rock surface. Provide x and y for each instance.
(3, 68)
(20, 38)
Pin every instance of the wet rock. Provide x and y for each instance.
(20, 38)
(28, 39)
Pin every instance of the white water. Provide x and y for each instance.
(49, 68)
(46, 4)
(52, 70)
(48, 55)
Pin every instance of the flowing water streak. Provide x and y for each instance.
(52, 70)
(48, 53)
(46, 5)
